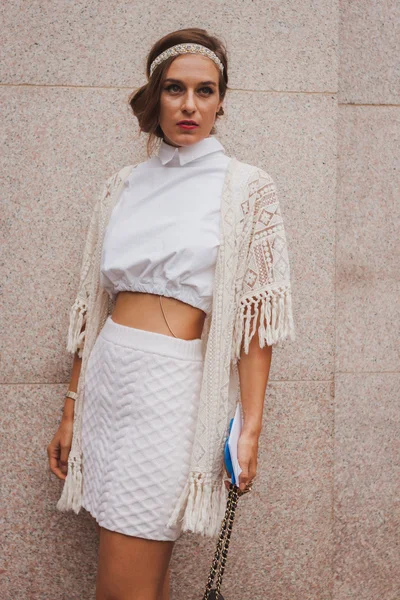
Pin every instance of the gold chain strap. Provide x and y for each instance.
(221, 551)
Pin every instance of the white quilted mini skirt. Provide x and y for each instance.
(141, 396)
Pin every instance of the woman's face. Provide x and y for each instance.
(189, 92)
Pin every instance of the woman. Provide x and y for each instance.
(184, 288)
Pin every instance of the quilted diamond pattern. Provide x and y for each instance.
(138, 428)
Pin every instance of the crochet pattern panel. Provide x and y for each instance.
(268, 261)
(263, 287)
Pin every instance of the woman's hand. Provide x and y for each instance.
(59, 448)
(247, 457)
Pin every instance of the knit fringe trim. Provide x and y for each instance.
(276, 319)
(201, 506)
(77, 317)
(71, 497)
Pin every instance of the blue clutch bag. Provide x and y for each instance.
(228, 458)
(230, 450)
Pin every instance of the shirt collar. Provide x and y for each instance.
(186, 154)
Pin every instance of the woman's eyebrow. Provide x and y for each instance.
(200, 83)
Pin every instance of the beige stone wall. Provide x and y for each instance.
(315, 102)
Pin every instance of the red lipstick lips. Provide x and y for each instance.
(187, 124)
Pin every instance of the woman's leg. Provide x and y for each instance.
(132, 568)
(167, 586)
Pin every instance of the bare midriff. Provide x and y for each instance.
(143, 311)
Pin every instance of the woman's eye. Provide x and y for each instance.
(172, 85)
(209, 90)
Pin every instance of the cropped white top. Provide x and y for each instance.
(164, 232)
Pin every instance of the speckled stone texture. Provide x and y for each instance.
(322, 521)
(366, 517)
(367, 474)
(369, 70)
(45, 554)
(273, 46)
(367, 253)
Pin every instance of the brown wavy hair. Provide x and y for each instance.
(145, 101)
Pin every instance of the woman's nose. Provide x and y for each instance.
(189, 102)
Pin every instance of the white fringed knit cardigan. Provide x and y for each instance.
(252, 274)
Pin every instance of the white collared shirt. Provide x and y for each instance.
(164, 232)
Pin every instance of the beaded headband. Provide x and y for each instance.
(186, 49)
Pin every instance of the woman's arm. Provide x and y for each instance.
(59, 448)
(253, 368)
(69, 404)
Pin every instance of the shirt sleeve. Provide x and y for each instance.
(263, 294)
(78, 311)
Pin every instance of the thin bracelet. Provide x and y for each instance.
(72, 395)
